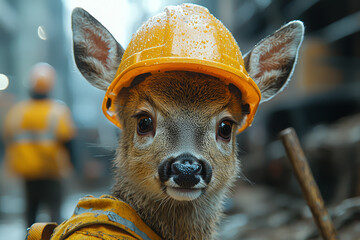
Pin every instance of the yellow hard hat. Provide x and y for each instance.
(42, 78)
(187, 38)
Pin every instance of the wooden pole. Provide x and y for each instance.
(308, 184)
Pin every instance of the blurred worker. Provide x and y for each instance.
(37, 135)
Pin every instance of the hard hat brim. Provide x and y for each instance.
(250, 91)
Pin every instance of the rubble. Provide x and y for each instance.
(259, 213)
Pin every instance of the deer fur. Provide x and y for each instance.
(186, 109)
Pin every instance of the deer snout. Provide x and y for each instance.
(186, 171)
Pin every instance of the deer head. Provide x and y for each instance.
(179, 126)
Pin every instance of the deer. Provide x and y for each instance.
(176, 159)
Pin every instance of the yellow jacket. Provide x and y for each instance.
(34, 132)
(104, 218)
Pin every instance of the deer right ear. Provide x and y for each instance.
(97, 53)
(271, 62)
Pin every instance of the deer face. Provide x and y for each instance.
(179, 127)
(178, 142)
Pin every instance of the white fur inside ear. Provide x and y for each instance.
(97, 54)
(271, 62)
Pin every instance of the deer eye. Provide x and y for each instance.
(224, 130)
(145, 125)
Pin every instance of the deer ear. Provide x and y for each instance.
(97, 53)
(271, 62)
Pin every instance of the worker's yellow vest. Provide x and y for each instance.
(34, 132)
(104, 218)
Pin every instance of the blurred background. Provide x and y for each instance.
(322, 103)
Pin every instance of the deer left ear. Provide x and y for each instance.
(97, 53)
(271, 62)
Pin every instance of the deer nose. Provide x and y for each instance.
(186, 170)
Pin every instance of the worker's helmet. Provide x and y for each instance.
(186, 38)
(42, 78)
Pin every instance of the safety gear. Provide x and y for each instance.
(42, 78)
(40, 231)
(35, 131)
(99, 218)
(186, 38)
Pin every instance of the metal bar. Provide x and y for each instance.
(308, 184)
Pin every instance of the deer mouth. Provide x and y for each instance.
(184, 194)
(181, 193)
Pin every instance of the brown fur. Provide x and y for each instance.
(186, 109)
(175, 95)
